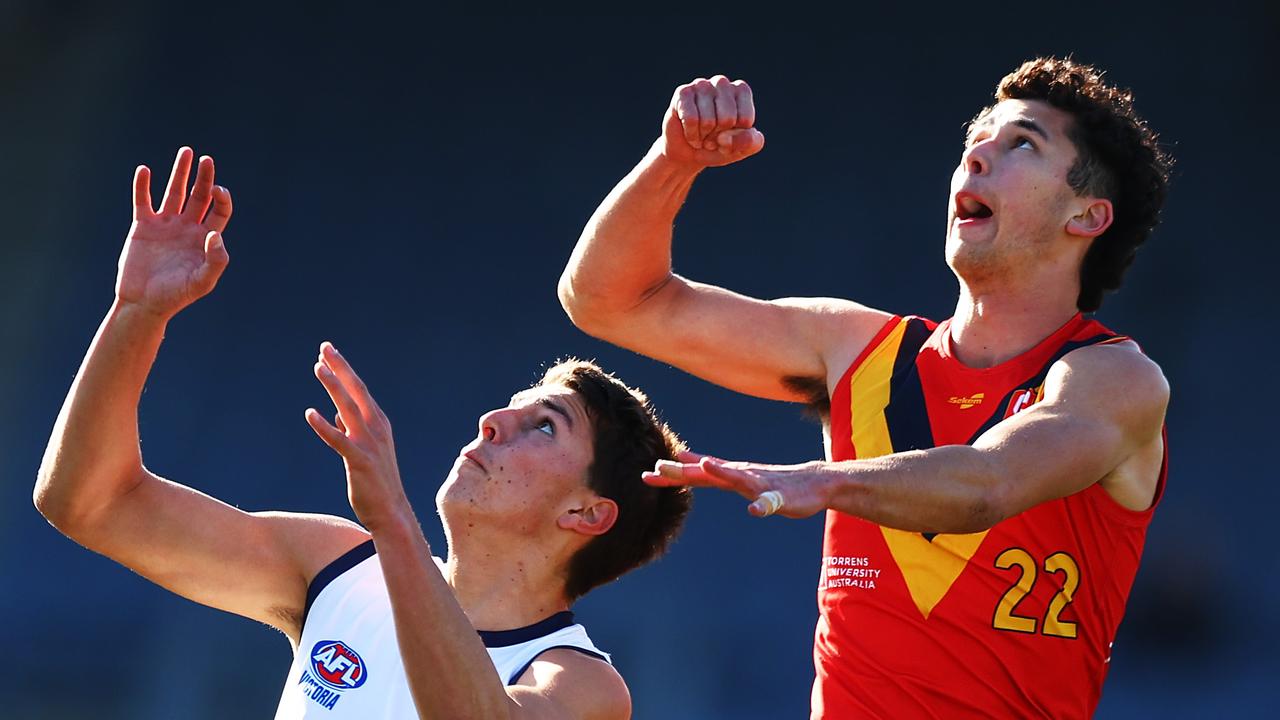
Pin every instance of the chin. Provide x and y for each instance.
(975, 263)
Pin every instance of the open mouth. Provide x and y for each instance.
(971, 207)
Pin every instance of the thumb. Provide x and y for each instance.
(215, 261)
(742, 142)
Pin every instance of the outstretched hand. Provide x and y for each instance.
(173, 257)
(711, 123)
(361, 434)
(801, 489)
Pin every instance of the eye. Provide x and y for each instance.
(1022, 140)
(546, 426)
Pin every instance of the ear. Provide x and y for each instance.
(594, 519)
(1093, 220)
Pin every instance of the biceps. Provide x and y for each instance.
(204, 550)
(1045, 453)
(748, 345)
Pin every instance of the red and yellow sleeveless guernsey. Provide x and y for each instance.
(1013, 622)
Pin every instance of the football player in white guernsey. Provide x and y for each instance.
(544, 505)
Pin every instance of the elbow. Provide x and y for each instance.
(72, 513)
(48, 502)
(984, 510)
(569, 299)
(587, 310)
(988, 502)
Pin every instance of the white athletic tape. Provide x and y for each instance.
(772, 500)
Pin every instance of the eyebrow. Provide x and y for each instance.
(1023, 123)
(1032, 126)
(555, 407)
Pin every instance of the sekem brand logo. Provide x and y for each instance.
(967, 402)
(335, 664)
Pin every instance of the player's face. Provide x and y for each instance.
(1010, 200)
(527, 465)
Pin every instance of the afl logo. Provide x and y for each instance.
(335, 664)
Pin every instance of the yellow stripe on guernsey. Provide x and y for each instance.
(929, 568)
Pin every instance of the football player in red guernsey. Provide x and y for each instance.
(989, 478)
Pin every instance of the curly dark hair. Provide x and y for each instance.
(1118, 158)
(628, 438)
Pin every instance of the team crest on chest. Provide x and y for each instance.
(1023, 399)
(332, 668)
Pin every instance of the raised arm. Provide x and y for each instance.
(92, 483)
(620, 287)
(449, 671)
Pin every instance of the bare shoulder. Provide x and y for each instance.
(307, 542)
(1117, 376)
(840, 329)
(315, 539)
(582, 685)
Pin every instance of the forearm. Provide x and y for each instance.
(449, 672)
(949, 489)
(624, 252)
(93, 453)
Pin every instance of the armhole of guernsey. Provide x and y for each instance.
(1119, 513)
(556, 632)
(841, 448)
(332, 571)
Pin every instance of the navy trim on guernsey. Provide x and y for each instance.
(345, 562)
(503, 638)
(516, 675)
(1039, 377)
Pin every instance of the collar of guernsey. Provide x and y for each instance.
(347, 664)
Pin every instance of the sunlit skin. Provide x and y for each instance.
(1016, 159)
(1015, 238)
(94, 487)
(528, 461)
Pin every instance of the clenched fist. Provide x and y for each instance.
(711, 123)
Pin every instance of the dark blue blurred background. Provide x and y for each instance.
(409, 186)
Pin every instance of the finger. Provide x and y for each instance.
(348, 409)
(746, 104)
(726, 103)
(351, 381)
(215, 261)
(337, 421)
(705, 97)
(142, 207)
(331, 436)
(748, 484)
(688, 456)
(687, 110)
(688, 479)
(177, 189)
(201, 191)
(765, 504)
(693, 475)
(220, 213)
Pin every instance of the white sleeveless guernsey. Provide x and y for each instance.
(347, 664)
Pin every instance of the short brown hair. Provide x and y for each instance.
(1117, 158)
(628, 438)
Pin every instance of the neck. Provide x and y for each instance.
(506, 590)
(990, 327)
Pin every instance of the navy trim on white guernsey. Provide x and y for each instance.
(345, 562)
(516, 675)
(491, 638)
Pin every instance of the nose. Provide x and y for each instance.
(495, 425)
(976, 160)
